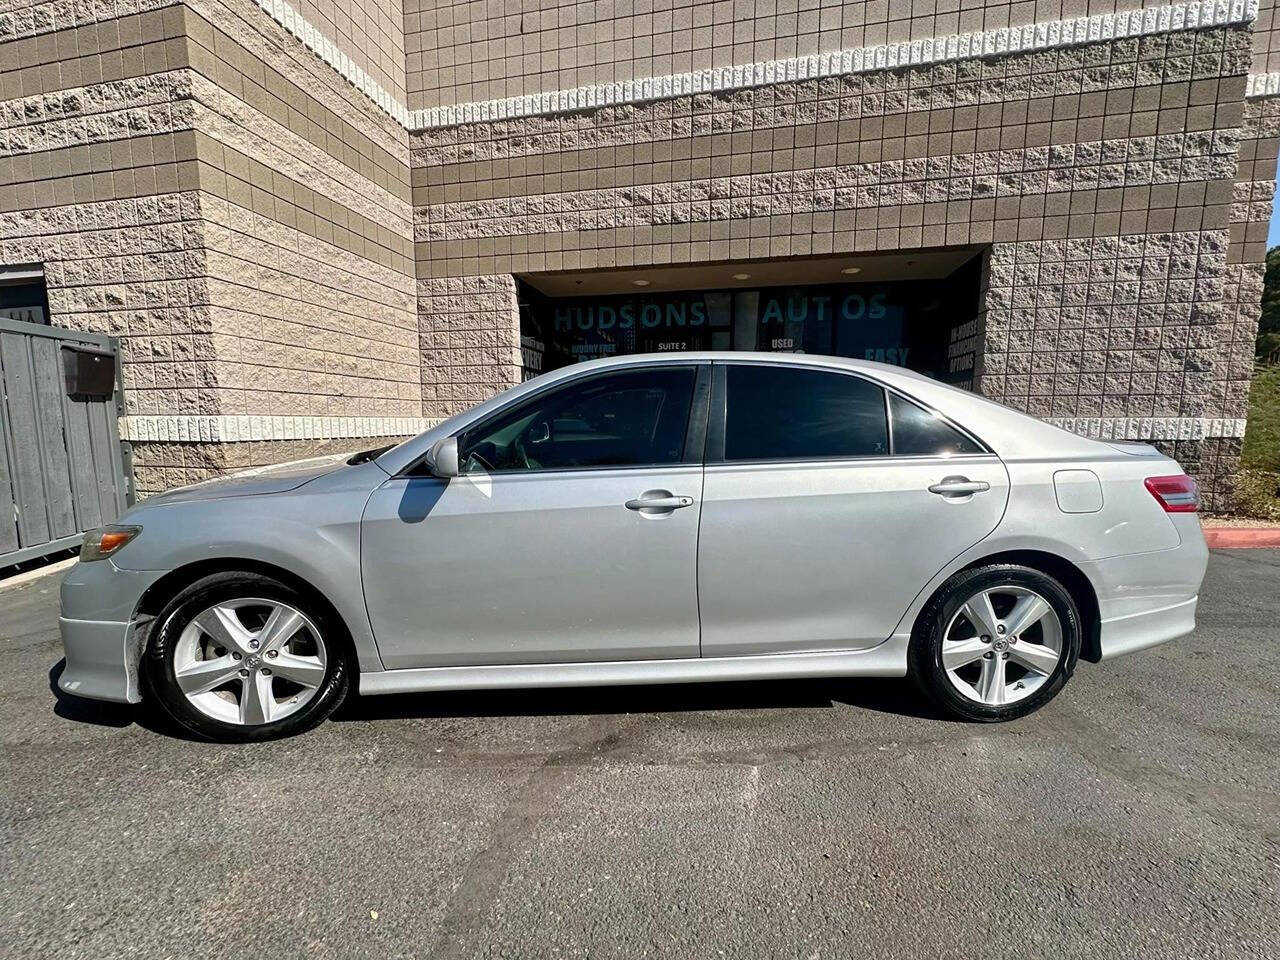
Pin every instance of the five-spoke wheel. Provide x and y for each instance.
(996, 642)
(1002, 645)
(250, 660)
(241, 656)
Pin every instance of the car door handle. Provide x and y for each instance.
(959, 487)
(659, 503)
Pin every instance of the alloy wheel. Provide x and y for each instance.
(1002, 645)
(250, 661)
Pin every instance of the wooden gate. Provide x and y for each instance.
(62, 465)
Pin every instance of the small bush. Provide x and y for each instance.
(1258, 495)
(1262, 436)
(1258, 484)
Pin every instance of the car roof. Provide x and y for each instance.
(730, 356)
(1010, 433)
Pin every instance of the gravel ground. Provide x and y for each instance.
(1138, 815)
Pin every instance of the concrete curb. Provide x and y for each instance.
(1240, 538)
(26, 576)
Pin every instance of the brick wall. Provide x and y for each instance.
(98, 181)
(198, 183)
(1103, 176)
(283, 259)
(460, 50)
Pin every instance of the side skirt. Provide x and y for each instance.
(888, 659)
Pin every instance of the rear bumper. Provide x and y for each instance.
(102, 660)
(1149, 598)
(1141, 630)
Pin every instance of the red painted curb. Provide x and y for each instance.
(1239, 538)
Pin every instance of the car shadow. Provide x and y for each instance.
(102, 713)
(883, 695)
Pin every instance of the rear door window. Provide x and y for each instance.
(792, 413)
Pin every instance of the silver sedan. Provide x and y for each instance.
(648, 519)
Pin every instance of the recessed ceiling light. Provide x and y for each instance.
(742, 276)
(851, 270)
(641, 283)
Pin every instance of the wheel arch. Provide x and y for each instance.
(157, 596)
(1071, 577)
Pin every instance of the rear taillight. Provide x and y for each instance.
(1177, 494)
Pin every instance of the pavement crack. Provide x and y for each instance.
(473, 897)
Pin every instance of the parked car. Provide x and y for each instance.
(648, 519)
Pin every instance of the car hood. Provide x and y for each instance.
(279, 478)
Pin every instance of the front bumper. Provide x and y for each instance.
(102, 635)
(102, 659)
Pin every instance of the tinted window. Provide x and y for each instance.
(918, 433)
(781, 413)
(618, 420)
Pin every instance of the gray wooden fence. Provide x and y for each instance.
(62, 465)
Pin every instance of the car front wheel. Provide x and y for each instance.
(241, 657)
(996, 642)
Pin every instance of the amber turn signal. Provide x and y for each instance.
(106, 541)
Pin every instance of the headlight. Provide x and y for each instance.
(106, 541)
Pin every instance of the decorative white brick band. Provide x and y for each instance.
(238, 429)
(1045, 35)
(964, 46)
(328, 51)
(1262, 85)
(1151, 428)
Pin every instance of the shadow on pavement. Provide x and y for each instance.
(101, 713)
(878, 694)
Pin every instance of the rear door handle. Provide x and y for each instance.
(959, 487)
(656, 504)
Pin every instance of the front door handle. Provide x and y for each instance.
(959, 487)
(658, 502)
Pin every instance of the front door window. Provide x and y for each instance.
(635, 418)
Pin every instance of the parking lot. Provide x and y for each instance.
(1136, 816)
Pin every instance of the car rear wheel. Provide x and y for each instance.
(240, 657)
(996, 642)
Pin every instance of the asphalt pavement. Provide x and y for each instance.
(1138, 815)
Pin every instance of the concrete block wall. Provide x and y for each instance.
(230, 206)
(371, 32)
(99, 182)
(470, 339)
(1103, 176)
(461, 50)
(233, 190)
(308, 227)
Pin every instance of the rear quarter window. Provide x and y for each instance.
(918, 432)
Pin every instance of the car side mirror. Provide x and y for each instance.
(442, 458)
(540, 432)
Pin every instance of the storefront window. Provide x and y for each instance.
(903, 323)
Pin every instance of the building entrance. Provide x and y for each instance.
(927, 325)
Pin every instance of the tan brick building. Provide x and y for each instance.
(318, 222)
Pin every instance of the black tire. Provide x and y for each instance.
(158, 660)
(925, 655)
